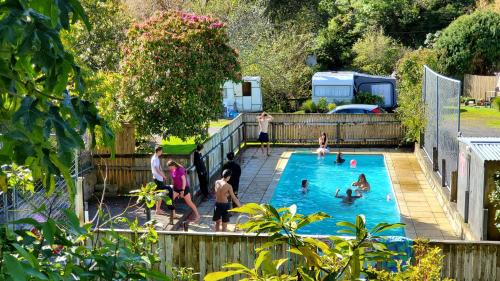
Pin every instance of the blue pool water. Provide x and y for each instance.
(324, 178)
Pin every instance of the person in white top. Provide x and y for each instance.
(159, 178)
(264, 120)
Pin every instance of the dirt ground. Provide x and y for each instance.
(124, 206)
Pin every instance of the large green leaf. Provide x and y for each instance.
(214, 276)
(14, 268)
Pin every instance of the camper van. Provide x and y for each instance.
(242, 97)
(341, 86)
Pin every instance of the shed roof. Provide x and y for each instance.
(487, 148)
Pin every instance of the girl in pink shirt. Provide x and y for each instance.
(181, 186)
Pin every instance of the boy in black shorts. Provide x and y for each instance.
(223, 190)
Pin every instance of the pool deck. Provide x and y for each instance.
(418, 206)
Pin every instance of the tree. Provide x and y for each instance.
(280, 59)
(99, 48)
(42, 124)
(411, 108)
(377, 53)
(173, 68)
(471, 44)
(407, 21)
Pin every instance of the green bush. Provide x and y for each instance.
(331, 106)
(322, 106)
(411, 107)
(471, 44)
(496, 103)
(367, 98)
(308, 106)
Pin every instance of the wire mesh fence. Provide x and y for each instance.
(441, 95)
(17, 203)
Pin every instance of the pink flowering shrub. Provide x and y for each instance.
(173, 68)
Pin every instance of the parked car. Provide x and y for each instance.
(358, 109)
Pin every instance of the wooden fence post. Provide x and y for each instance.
(454, 186)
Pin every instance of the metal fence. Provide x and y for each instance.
(441, 95)
(16, 204)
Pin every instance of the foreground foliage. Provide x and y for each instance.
(495, 198)
(174, 64)
(41, 123)
(338, 258)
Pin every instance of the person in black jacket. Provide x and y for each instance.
(234, 181)
(201, 169)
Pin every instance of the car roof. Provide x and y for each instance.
(356, 106)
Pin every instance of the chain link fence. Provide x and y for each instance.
(441, 95)
(16, 203)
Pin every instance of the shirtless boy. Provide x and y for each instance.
(223, 191)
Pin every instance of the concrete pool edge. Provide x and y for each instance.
(432, 227)
(261, 175)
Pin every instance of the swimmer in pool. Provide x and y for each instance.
(348, 198)
(362, 183)
(305, 184)
(339, 159)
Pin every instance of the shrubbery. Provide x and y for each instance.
(496, 103)
(321, 107)
(173, 66)
(409, 74)
(367, 98)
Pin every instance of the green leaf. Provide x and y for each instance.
(27, 256)
(14, 268)
(304, 275)
(346, 224)
(214, 276)
(249, 208)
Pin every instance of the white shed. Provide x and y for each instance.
(333, 86)
(243, 97)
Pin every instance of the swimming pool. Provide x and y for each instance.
(324, 178)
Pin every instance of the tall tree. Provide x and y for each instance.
(377, 53)
(173, 68)
(41, 123)
(471, 44)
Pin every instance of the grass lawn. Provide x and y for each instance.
(488, 116)
(176, 146)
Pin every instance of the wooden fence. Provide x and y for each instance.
(129, 171)
(208, 252)
(479, 87)
(342, 129)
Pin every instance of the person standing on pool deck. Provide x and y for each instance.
(264, 120)
(234, 181)
(348, 198)
(181, 186)
(223, 190)
(201, 170)
(159, 178)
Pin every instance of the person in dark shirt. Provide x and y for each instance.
(201, 170)
(234, 181)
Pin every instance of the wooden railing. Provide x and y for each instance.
(342, 129)
(208, 252)
(129, 171)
